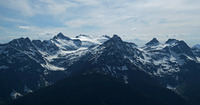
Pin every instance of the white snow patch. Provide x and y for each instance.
(93, 40)
(159, 72)
(42, 52)
(61, 52)
(176, 56)
(190, 58)
(159, 47)
(52, 67)
(50, 58)
(65, 43)
(14, 94)
(165, 70)
(125, 79)
(27, 90)
(47, 83)
(172, 88)
(161, 61)
(198, 59)
(78, 52)
(172, 58)
(46, 72)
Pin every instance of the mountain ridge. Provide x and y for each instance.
(61, 57)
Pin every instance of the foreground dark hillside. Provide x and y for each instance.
(95, 89)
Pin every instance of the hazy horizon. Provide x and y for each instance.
(131, 19)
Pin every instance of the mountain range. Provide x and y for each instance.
(160, 73)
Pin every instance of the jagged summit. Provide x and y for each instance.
(21, 43)
(118, 43)
(115, 41)
(153, 42)
(116, 38)
(61, 36)
(22, 39)
(170, 41)
(182, 47)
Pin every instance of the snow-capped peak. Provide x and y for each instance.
(65, 43)
(61, 36)
(153, 42)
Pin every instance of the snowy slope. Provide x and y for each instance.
(68, 50)
(168, 57)
(88, 41)
(42, 63)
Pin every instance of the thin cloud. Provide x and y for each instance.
(151, 17)
(24, 27)
(7, 19)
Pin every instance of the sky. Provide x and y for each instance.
(134, 20)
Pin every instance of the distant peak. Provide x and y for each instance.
(27, 38)
(106, 36)
(154, 39)
(61, 36)
(171, 41)
(116, 38)
(153, 42)
(197, 46)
